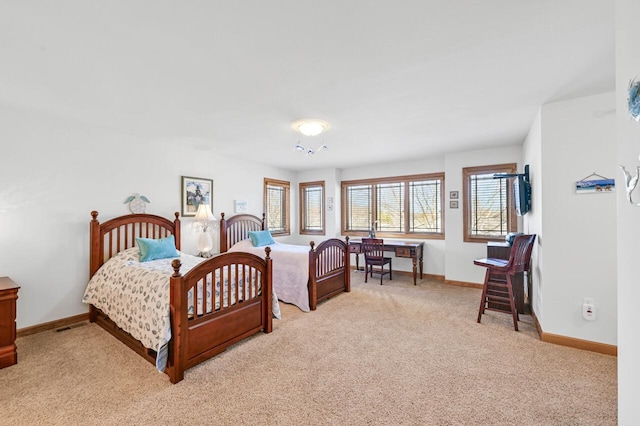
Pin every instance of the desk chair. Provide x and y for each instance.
(373, 249)
(497, 291)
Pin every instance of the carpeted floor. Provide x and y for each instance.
(393, 354)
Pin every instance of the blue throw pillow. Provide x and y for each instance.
(151, 249)
(261, 238)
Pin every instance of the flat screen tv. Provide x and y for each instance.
(522, 195)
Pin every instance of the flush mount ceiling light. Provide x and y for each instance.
(310, 127)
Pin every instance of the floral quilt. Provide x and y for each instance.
(135, 295)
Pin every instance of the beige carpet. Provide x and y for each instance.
(393, 354)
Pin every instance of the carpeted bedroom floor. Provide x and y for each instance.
(392, 354)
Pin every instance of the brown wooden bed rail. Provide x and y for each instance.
(237, 311)
(236, 228)
(115, 235)
(329, 270)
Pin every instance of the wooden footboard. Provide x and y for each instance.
(240, 310)
(329, 271)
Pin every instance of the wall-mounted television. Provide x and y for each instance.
(522, 195)
(521, 189)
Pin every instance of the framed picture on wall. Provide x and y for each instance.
(240, 206)
(195, 191)
(453, 195)
(453, 204)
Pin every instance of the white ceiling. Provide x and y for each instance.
(397, 80)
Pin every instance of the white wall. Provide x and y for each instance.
(628, 219)
(532, 221)
(56, 171)
(459, 254)
(579, 231)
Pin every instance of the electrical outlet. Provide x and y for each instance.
(588, 309)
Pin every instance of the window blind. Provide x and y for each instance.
(425, 206)
(359, 207)
(489, 205)
(276, 208)
(313, 214)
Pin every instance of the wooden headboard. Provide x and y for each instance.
(120, 233)
(237, 228)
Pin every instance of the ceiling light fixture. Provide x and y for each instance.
(310, 127)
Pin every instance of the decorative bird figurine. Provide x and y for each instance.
(137, 203)
(630, 181)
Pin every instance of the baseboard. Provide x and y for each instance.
(572, 342)
(410, 274)
(587, 345)
(434, 277)
(63, 322)
(463, 284)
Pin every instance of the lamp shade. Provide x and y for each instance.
(204, 214)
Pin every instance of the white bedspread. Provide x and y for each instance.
(290, 270)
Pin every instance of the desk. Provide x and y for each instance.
(412, 249)
(501, 250)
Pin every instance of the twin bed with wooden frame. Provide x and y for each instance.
(202, 333)
(328, 262)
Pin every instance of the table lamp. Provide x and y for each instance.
(201, 222)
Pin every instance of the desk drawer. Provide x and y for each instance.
(354, 248)
(403, 252)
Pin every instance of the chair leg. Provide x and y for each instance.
(483, 299)
(366, 272)
(514, 310)
(390, 271)
(381, 273)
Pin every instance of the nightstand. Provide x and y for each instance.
(8, 297)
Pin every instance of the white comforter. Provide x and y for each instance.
(290, 270)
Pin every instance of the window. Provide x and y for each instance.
(398, 206)
(489, 213)
(312, 208)
(276, 206)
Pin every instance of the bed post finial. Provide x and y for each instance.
(177, 215)
(267, 250)
(312, 244)
(347, 239)
(94, 215)
(222, 215)
(176, 264)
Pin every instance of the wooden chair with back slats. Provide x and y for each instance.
(497, 291)
(373, 249)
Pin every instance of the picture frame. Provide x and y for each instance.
(195, 191)
(453, 204)
(595, 186)
(453, 195)
(240, 206)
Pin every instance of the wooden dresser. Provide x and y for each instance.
(8, 297)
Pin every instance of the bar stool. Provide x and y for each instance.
(497, 291)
